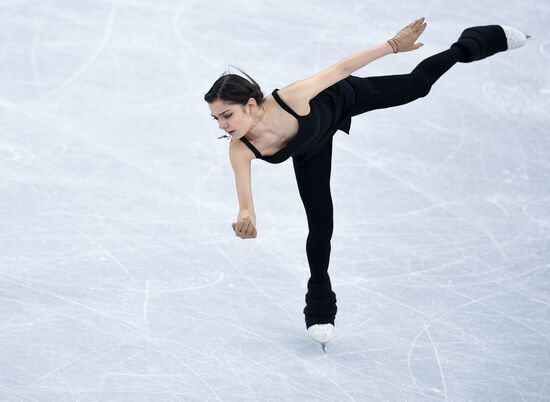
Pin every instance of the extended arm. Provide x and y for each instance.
(303, 91)
(403, 41)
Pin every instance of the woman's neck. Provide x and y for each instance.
(265, 127)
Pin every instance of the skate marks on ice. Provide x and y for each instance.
(119, 275)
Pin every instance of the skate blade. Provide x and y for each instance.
(324, 347)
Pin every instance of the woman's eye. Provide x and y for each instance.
(225, 117)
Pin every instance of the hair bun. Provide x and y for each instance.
(235, 89)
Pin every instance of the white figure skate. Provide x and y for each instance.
(515, 38)
(322, 333)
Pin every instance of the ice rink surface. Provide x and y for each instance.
(122, 280)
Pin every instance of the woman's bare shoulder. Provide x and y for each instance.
(238, 150)
(303, 91)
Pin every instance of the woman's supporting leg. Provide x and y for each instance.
(393, 90)
(313, 179)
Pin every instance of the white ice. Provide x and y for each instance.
(122, 280)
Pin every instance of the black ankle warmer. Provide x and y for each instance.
(320, 303)
(481, 42)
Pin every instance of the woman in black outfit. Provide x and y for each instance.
(299, 121)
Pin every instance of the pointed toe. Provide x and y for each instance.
(514, 37)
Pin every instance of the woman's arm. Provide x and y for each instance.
(241, 164)
(245, 227)
(299, 93)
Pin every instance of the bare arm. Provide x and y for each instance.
(241, 164)
(299, 93)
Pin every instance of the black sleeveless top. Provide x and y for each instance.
(330, 111)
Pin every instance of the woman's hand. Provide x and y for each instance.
(245, 228)
(404, 40)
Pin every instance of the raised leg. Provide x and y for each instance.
(475, 43)
(313, 179)
(393, 90)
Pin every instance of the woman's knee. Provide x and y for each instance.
(321, 232)
(422, 84)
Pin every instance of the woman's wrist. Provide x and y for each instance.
(246, 212)
(393, 47)
(386, 48)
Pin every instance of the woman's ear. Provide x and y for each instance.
(251, 105)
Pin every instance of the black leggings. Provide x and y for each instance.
(313, 174)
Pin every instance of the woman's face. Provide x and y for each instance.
(232, 118)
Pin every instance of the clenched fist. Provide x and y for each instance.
(404, 40)
(245, 228)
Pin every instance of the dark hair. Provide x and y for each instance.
(233, 88)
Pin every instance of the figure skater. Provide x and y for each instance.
(299, 121)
